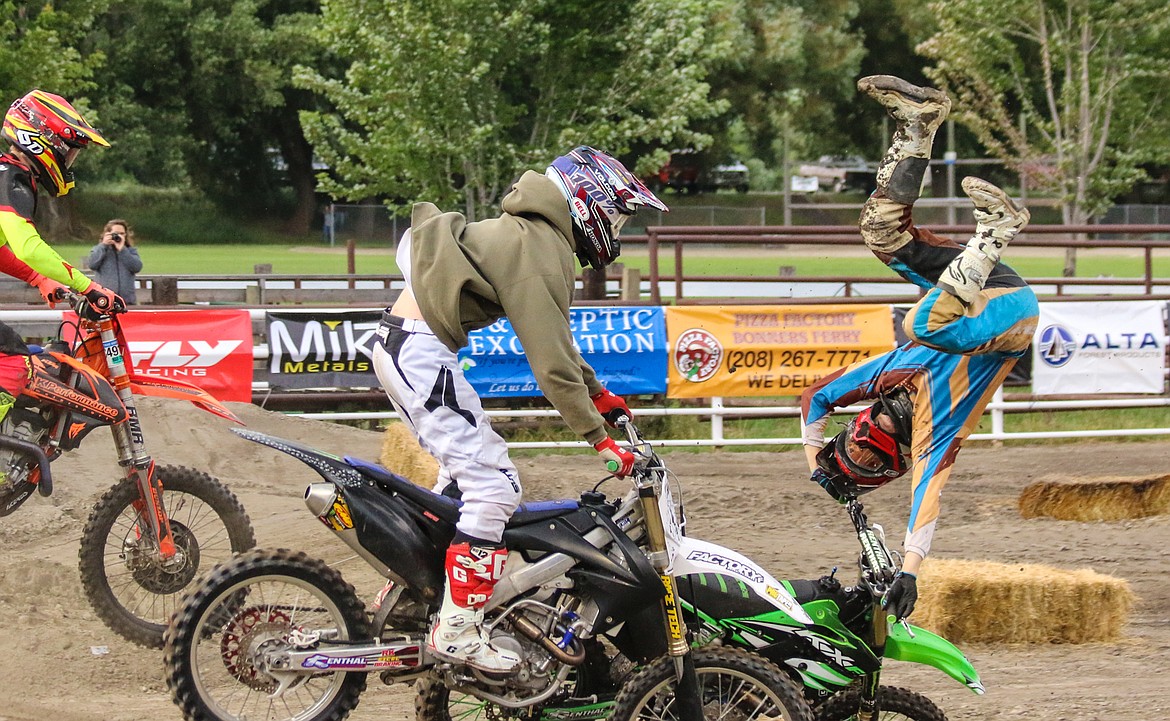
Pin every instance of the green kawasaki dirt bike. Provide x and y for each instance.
(830, 638)
(833, 638)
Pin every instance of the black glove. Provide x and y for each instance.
(902, 595)
(830, 484)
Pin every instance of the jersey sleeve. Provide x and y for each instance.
(26, 244)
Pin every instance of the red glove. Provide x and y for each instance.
(611, 407)
(102, 299)
(48, 289)
(618, 460)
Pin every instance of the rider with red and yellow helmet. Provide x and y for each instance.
(44, 134)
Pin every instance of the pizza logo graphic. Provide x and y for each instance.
(697, 355)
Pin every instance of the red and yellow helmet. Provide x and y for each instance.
(51, 132)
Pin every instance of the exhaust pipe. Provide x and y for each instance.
(330, 508)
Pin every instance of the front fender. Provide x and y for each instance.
(171, 388)
(932, 650)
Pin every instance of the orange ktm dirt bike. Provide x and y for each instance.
(150, 534)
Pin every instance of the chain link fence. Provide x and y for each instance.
(368, 226)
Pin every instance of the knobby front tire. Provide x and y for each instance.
(893, 704)
(733, 683)
(130, 587)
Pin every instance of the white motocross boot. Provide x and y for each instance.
(458, 635)
(998, 219)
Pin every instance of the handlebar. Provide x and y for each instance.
(639, 446)
(84, 307)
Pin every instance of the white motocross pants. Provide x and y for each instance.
(427, 387)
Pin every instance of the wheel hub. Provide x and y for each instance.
(246, 638)
(163, 576)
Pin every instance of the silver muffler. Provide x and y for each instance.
(330, 508)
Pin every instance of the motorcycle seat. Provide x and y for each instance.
(538, 511)
(446, 507)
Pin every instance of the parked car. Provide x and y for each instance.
(688, 173)
(838, 173)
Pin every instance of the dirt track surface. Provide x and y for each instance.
(758, 503)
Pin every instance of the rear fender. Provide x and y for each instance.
(932, 650)
(171, 388)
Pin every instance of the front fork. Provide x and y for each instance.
(688, 696)
(131, 447)
(879, 630)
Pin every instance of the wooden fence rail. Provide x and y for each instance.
(262, 290)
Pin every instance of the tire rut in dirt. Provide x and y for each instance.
(712, 666)
(893, 703)
(210, 525)
(223, 588)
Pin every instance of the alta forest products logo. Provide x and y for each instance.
(697, 355)
(1056, 346)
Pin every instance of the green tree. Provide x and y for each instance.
(200, 91)
(446, 100)
(792, 67)
(1071, 92)
(41, 47)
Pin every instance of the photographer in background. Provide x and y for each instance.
(116, 261)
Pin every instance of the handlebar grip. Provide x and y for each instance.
(612, 466)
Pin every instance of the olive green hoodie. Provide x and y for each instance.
(520, 265)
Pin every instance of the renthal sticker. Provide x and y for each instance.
(737, 567)
(324, 662)
(697, 355)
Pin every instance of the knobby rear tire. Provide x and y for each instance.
(186, 632)
(139, 629)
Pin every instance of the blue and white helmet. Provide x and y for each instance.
(602, 195)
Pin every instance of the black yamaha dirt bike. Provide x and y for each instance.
(155, 529)
(586, 601)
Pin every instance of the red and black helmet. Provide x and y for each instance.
(867, 455)
(50, 131)
(602, 195)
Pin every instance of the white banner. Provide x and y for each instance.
(1110, 347)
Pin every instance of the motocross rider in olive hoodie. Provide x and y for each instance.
(463, 276)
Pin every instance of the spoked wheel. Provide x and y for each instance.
(130, 585)
(225, 648)
(735, 686)
(894, 704)
(436, 702)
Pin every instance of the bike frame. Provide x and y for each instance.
(101, 346)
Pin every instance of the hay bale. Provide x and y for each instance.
(402, 454)
(977, 601)
(1106, 499)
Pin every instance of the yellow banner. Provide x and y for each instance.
(768, 350)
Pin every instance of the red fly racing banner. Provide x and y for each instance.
(208, 348)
